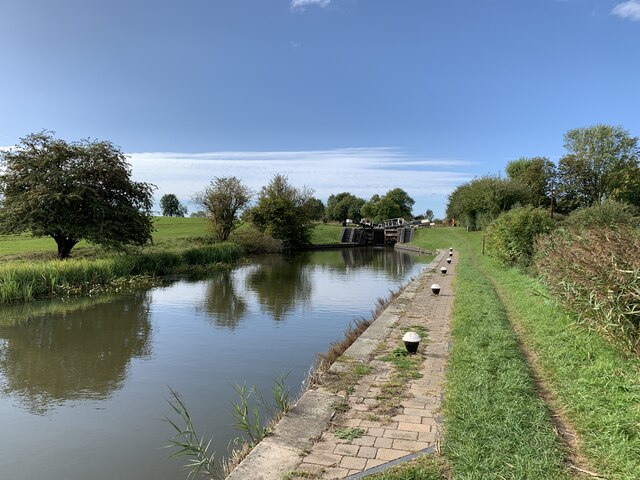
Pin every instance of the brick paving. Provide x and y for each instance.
(415, 424)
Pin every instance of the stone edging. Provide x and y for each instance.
(280, 452)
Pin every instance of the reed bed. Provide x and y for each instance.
(26, 281)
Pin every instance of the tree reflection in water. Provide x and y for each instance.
(78, 355)
(394, 263)
(280, 283)
(222, 302)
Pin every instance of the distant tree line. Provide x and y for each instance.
(83, 190)
(601, 163)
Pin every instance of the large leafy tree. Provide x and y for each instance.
(283, 211)
(171, 206)
(223, 200)
(601, 162)
(478, 202)
(344, 205)
(393, 204)
(538, 174)
(73, 191)
(316, 208)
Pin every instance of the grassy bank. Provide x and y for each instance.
(24, 281)
(180, 245)
(326, 233)
(495, 422)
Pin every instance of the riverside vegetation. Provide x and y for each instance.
(180, 246)
(591, 382)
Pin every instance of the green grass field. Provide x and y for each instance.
(170, 233)
(323, 234)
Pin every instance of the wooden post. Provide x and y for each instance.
(483, 245)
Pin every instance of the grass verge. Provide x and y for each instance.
(425, 467)
(496, 425)
(593, 385)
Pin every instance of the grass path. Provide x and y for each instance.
(496, 426)
(588, 382)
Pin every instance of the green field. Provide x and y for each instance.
(170, 233)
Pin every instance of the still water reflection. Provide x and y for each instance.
(83, 383)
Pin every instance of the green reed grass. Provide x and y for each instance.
(25, 281)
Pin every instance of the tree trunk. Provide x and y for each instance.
(65, 245)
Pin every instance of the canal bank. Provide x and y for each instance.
(345, 433)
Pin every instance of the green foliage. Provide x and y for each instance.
(429, 215)
(247, 413)
(25, 281)
(344, 206)
(538, 174)
(608, 214)
(395, 203)
(188, 443)
(348, 433)
(316, 209)
(73, 191)
(171, 206)
(282, 211)
(255, 241)
(602, 162)
(511, 237)
(224, 199)
(248, 419)
(597, 273)
(597, 387)
(477, 203)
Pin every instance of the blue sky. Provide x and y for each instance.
(341, 95)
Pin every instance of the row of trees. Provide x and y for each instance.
(601, 162)
(286, 213)
(393, 204)
(83, 190)
(340, 207)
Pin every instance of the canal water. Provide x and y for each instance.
(84, 383)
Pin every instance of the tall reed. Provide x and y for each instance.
(597, 273)
(25, 281)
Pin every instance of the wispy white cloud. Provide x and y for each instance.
(361, 171)
(629, 10)
(302, 4)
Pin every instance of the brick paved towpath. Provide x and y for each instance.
(305, 443)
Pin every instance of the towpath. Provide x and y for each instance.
(386, 420)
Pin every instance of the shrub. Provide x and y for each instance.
(511, 237)
(254, 241)
(597, 273)
(608, 214)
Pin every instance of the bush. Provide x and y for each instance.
(597, 273)
(511, 237)
(608, 214)
(254, 241)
